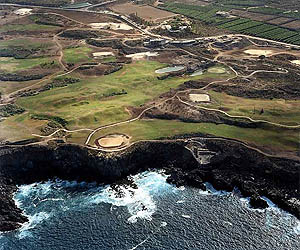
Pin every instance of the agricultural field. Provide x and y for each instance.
(292, 25)
(279, 20)
(251, 15)
(253, 22)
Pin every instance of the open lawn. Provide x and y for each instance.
(11, 64)
(97, 101)
(276, 110)
(19, 127)
(76, 55)
(26, 27)
(26, 43)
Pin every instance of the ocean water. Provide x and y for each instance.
(156, 215)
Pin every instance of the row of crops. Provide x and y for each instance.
(260, 29)
(206, 14)
(246, 26)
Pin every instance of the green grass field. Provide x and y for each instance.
(26, 27)
(11, 64)
(25, 43)
(76, 55)
(276, 110)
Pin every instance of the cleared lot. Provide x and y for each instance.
(144, 11)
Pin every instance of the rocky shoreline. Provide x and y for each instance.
(230, 165)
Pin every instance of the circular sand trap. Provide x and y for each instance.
(259, 52)
(112, 141)
(199, 98)
(296, 62)
(217, 70)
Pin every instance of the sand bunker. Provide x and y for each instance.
(103, 54)
(112, 141)
(142, 55)
(199, 97)
(296, 62)
(259, 52)
(113, 26)
(217, 70)
(23, 11)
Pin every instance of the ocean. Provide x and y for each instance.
(155, 215)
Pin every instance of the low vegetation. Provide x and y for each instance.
(10, 110)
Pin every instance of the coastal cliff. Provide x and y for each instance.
(231, 165)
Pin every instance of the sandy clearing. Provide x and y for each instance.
(296, 62)
(111, 142)
(142, 55)
(23, 11)
(259, 52)
(217, 70)
(146, 12)
(199, 97)
(113, 26)
(100, 54)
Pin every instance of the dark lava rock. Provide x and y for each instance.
(257, 202)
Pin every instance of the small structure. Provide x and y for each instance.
(152, 43)
(180, 43)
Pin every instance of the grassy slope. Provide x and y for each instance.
(76, 55)
(26, 27)
(11, 64)
(276, 110)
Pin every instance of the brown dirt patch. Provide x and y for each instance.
(144, 11)
(84, 17)
(292, 25)
(280, 20)
(251, 15)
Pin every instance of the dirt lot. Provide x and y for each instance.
(144, 11)
(280, 20)
(251, 15)
(195, 2)
(292, 25)
(83, 17)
